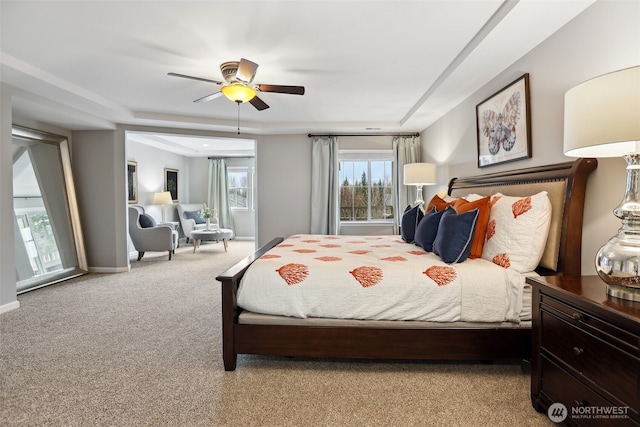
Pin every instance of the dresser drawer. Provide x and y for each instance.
(624, 339)
(590, 357)
(558, 386)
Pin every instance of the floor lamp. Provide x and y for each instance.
(419, 174)
(162, 198)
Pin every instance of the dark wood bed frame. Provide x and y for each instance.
(451, 343)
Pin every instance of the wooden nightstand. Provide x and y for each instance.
(585, 351)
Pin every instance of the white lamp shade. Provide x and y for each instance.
(162, 198)
(602, 116)
(419, 174)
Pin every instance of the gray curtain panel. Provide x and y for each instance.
(324, 185)
(219, 192)
(406, 149)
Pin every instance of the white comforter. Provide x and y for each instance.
(379, 278)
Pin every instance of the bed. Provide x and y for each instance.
(250, 332)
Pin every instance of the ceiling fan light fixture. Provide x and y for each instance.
(238, 92)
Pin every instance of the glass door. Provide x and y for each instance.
(48, 238)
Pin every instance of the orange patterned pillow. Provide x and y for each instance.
(484, 209)
(439, 203)
(517, 231)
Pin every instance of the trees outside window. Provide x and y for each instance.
(366, 192)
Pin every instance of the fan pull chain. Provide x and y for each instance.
(238, 117)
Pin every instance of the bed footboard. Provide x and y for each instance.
(230, 280)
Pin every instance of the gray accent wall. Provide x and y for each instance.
(604, 38)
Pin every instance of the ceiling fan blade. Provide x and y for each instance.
(246, 71)
(258, 103)
(292, 90)
(184, 76)
(209, 97)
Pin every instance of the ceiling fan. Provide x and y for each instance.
(237, 85)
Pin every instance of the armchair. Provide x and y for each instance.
(160, 237)
(189, 224)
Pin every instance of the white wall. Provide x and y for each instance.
(151, 163)
(604, 38)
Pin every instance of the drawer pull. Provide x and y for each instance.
(578, 351)
(577, 316)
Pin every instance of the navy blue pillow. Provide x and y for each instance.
(455, 235)
(410, 219)
(147, 221)
(428, 229)
(195, 215)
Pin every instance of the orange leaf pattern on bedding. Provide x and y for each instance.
(394, 258)
(332, 237)
(293, 273)
(502, 260)
(494, 200)
(491, 229)
(269, 256)
(417, 252)
(380, 246)
(521, 206)
(329, 258)
(330, 245)
(441, 275)
(367, 276)
(311, 241)
(305, 251)
(359, 252)
(356, 242)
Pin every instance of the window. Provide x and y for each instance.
(366, 191)
(238, 180)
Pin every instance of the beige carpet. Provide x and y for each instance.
(144, 349)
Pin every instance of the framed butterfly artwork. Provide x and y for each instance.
(504, 125)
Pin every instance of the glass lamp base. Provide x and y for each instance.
(618, 264)
(618, 261)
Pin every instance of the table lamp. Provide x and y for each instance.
(602, 119)
(419, 174)
(162, 198)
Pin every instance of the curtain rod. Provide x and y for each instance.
(369, 134)
(230, 157)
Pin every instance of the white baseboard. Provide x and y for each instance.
(109, 269)
(8, 307)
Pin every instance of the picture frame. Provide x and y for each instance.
(503, 124)
(171, 182)
(132, 181)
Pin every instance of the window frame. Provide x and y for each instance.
(368, 156)
(249, 170)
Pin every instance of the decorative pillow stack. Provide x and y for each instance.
(517, 231)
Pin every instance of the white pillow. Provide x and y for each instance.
(517, 231)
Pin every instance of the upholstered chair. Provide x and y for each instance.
(188, 214)
(147, 235)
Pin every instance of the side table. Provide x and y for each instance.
(585, 362)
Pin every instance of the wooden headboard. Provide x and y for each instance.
(566, 185)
